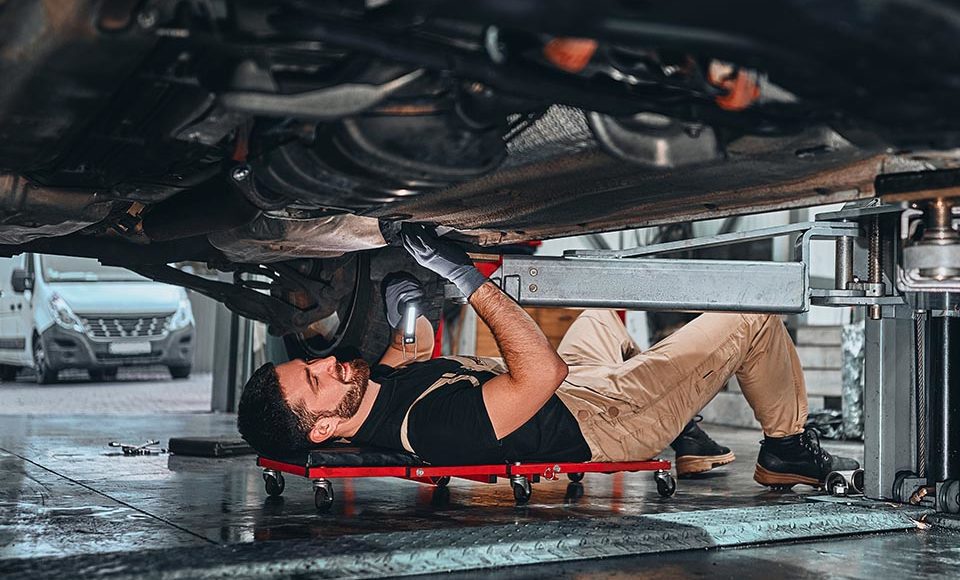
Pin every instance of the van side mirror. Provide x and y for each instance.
(21, 281)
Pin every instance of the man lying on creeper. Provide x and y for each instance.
(595, 398)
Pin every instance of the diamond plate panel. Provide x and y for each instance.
(421, 552)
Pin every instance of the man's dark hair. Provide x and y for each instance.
(264, 418)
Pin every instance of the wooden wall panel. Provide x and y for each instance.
(553, 321)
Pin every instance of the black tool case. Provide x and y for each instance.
(209, 446)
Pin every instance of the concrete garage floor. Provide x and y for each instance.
(136, 391)
(71, 505)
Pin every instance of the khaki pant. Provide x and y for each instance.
(630, 405)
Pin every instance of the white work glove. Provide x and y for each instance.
(442, 257)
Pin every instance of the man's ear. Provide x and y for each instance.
(323, 429)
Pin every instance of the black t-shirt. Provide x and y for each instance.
(450, 425)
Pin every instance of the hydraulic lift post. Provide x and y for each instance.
(943, 439)
(889, 401)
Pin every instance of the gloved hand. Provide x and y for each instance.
(443, 257)
(398, 289)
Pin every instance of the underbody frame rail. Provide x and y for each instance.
(251, 297)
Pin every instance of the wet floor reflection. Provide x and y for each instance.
(65, 492)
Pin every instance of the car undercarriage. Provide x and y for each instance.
(281, 142)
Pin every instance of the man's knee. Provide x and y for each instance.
(759, 318)
(771, 321)
(765, 326)
(602, 315)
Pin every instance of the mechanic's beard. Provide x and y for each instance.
(350, 403)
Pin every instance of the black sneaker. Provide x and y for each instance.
(697, 452)
(784, 462)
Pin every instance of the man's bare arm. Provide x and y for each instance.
(398, 355)
(534, 369)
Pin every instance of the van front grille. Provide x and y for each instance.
(125, 327)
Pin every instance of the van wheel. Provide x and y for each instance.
(180, 372)
(44, 374)
(8, 373)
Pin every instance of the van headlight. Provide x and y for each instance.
(183, 317)
(63, 314)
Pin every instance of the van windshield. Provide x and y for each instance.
(70, 269)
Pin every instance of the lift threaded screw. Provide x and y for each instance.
(874, 264)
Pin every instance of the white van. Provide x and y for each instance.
(59, 312)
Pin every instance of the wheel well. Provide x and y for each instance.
(366, 333)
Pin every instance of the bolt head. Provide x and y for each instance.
(148, 18)
(534, 271)
(419, 473)
(693, 131)
(533, 288)
(240, 173)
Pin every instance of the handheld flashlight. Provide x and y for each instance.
(411, 312)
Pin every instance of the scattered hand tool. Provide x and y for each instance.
(148, 448)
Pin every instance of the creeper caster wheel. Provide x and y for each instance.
(442, 481)
(666, 484)
(273, 482)
(521, 489)
(322, 495)
(575, 477)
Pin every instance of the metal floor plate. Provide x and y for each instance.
(449, 550)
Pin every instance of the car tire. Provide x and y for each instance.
(101, 375)
(180, 372)
(363, 331)
(42, 371)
